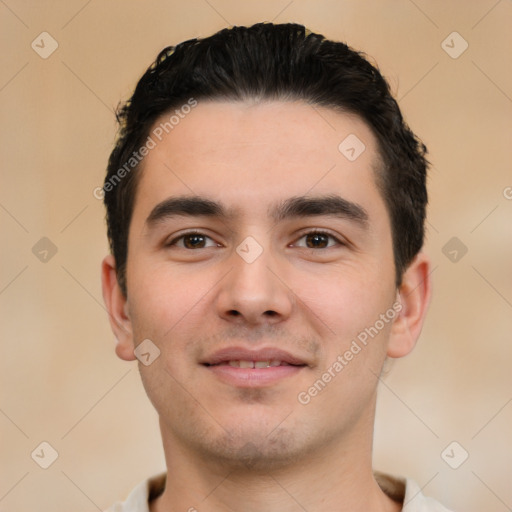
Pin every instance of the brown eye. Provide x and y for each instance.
(318, 240)
(192, 241)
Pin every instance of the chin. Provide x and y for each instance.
(254, 452)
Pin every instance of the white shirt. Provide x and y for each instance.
(402, 490)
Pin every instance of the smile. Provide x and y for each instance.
(254, 364)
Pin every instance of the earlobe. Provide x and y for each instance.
(118, 311)
(414, 296)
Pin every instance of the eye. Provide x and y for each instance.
(318, 240)
(192, 240)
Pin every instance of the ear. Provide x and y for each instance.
(414, 297)
(118, 311)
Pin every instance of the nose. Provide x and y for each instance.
(254, 292)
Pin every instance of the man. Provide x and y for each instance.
(265, 208)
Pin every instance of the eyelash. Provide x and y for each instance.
(174, 241)
(183, 235)
(320, 232)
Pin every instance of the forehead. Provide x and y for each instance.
(252, 154)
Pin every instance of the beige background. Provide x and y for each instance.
(61, 381)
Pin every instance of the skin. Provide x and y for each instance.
(235, 448)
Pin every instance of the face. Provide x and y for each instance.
(260, 265)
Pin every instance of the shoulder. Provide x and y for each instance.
(416, 501)
(139, 497)
(407, 492)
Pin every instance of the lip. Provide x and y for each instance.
(253, 377)
(244, 354)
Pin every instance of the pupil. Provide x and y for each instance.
(192, 241)
(317, 240)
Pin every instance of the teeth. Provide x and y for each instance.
(256, 364)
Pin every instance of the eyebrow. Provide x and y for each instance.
(191, 206)
(294, 207)
(332, 205)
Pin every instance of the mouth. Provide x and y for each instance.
(240, 367)
(253, 364)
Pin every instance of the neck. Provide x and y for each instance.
(337, 478)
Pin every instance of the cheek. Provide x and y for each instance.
(162, 299)
(346, 300)
(171, 308)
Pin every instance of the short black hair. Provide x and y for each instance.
(272, 62)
